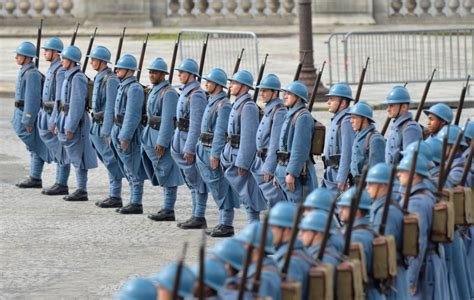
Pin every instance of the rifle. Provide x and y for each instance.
(259, 78)
(467, 166)
(387, 121)
(452, 154)
(423, 98)
(173, 60)
(327, 230)
(203, 57)
(236, 67)
(142, 57)
(361, 81)
(179, 270)
(291, 244)
(74, 34)
(89, 49)
(388, 198)
(461, 101)
(300, 65)
(261, 255)
(444, 148)
(38, 43)
(315, 88)
(411, 176)
(245, 270)
(119, 48)
(201, 266)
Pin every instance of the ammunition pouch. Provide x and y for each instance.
(461, 198)
(262, 153)
(283, 157)
(348, 280)
(442, 228)
(48, 106)
(206, 139)
(118, 120)
(154, 122)
(332, 161)
(411, 233)
(98, 117)
(384, 257)
(234, 140)
(182, 124)
(356, 252)
(65, 108)
(291, 290)
(318, 139)
(20, 104)
(321, 282)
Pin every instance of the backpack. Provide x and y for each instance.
(318, 136)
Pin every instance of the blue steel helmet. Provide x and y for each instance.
(297, 88)
(215, 273)
(72, 53)
(270, 82)
(243, 77)
(320, 198)
(398, 95)
(251, 235)
(469, 130)
(218, 76)
(421, 167)
(128, 62)
(346, 199)
(54, 43)
(380, 173)
(282, 214)
(316, 221)
(441, 111)
(362, 109)
(436, 146)
(101, 53)
(452, 131)
(231, 252)
(190, 66)
(137, 289)
(26, 49)
(166, 277)
(424, 149)
(341, 89)
(160, 65)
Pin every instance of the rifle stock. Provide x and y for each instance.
(38, 43)
(423, 98)
(203, 57)
(291, 244)
(173, 59)
(119, 48)
(142, 57)
(179, 270)
(461, 101)
(261, 255)
(259, 78)
(201, 265)
(361, 81)
(74, 35)
(315, 88)
(89, 49)
(300, 65)
(236, 67)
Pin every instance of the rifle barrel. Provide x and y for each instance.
(388, 198)
(406, 197)
(201, 265)
(179, 270)
(38, 43)
(291, 244)
(315, 88)
(261, 255)
(173, 59)
(423, 98)
(119, 48)
(259, 78)
(203, 57)
(300, 66)
(236, 67)
(452, 154)
(327, 229)
(385, 126)
(74, 35)
(467, 166)
(461, 101)
(361, 81)
(142, 57)
(89, 49)
(442, 163)
(247, 261)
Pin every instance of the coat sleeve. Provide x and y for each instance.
(168, 114)
(271, 160)
(133, 112)
(220, 130)
(111, 96)
(197, 105)
(59, 85)
(415, 263)
(248, 133)
(301, 144)
(32, 97)
(375, 154)
(411, 133)
(77, 102)
(347, 139)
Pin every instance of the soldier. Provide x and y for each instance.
(426, 273)
(295, 171)
(191, 105)
(378, 180)
(127, 130)
(215, 276)
(103, 101)
(156, 139)
(338, 146)
(164, 281)
(137, 288)
(208, 150)
(241, 130)
(404, 129)
(469, 135)
(268, 136)
(51, 97)
(367, 143)
(73, 123)
(27, 105)
(281, 222)
(438, 115)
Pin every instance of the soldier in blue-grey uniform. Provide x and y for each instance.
(338, 145)
(73, 123)
(215, 277)
(126, 131)
(404, 130)
(103, 100)
(165, 279)
(426, 273)
(51, 96)
(189, 111)
(241, 131)
(368, 143)
(139, 289)
(439, 115)
(362, 233)
(156, 139)
(378, 180)
(295, 172)
(281, 221)
(469, 232)
(27, 106)
(268, 137)
(208, 151)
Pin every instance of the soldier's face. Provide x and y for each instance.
(344, 213)
(154, 76)
(434, 123)
(403, 177)
(20, 59)
(373, 189)
(164, 294)
(334, 104)
(67, 64)
(48, 54)
(210, 86)
(393, 110)
(290, 99)
(235, 88)
(356, 122)
(121, 73)
(95, 64)
(306, 236)
(267, 95)
(183, 77)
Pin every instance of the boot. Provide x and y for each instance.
(111, 202)
(163, 215)
(223, 231)
(195, 223)
(131, 209)
(30, 183)
(56, 190)
(78, 195)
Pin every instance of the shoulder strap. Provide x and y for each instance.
(368, 139)
(297, 114)
(52, 97)
(239, 113)
(404, 125)
(69, 85)
(106, 77)
(215, 111)
(338, 132)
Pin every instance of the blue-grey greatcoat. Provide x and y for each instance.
(28, 89)
(338, 142)
(331, 254)
(295, 138)
(366, 151)
(73, 93)
(268, 138)
(233, 294)
(215, 120)
(162, 102)
(455, 174)
(234, 158)
(270, 279)
(403, 131)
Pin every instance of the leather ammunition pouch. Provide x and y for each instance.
(318, 138)
(65, 108)
(98, 117)
(348, 280)
(262, 153)
(206, 139)
(118, 120)
(442, 229)
(461, 198)
(283, 157)
(234, 140)
(321, 282)
(357, 252)
(384, 257)
(291, 290)
(48, 106)
(154, 122)
(182, 124)
(411, 233)
(20, 104)
(332, 161)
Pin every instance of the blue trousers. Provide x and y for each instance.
(81, 179)
(199, 202)
(226, 216)
(62, 173)
(170, 195)
(36, 166)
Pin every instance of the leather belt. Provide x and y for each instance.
(182, 124)
(118, 120)
(154, 122)
(332, 161)
(20, 104)
(98, 117)
(262, 153)
(234, 140)
(48, 106)
(206, 139)
(283, 157)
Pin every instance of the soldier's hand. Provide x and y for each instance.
(188, 157)
(267, 177)
(290, 182)
(53, 128)
(214, 162)
(160, 151)
(242, 171)
(106, 140)
(29, 128)
(413, 290)
(342, 186)
(123, 145)
(69, 135)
